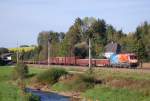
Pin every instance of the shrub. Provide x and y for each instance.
(31, 97)
(81, 82)
(2, 62)
(20, 71)
(34, 98)
(51, 76)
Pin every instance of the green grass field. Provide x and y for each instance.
(104, 93)
(116, 86)
(8, 91)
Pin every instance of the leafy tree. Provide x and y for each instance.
(24, 46)
(3, 50)
(43, 43)
(110, 31)
(73, 37)
(141, 51)
(143, 34)
(99, 39)
(61, 36)
(100, 33)
(65, 49)
(128, 43)
(81, 50)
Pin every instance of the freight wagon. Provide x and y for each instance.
(77, 61)
(63, 60)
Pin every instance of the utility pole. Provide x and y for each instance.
(48, 55)
(17, 53)
(85, 29)
(89, 53)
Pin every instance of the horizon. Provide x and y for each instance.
(22, 20)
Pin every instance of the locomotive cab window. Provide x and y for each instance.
(133, 57)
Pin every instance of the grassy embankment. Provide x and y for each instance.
(121, 86)
(114, 85)
(9, 91)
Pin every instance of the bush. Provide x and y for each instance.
(20, 71)
(34, 98)
(87, 82)
(81, 82)
(30, 97)
(51, 76)
(2, 62)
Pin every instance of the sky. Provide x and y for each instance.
(22, 20)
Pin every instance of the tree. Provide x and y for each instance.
(110, 31)
(81, 50)
(43, 43)
(3, 50)
(24, 45)
(61, 36)
(143, 35)
(128, 43)
(99, 38)
(73, 36)
(98, 31)
(141, 51)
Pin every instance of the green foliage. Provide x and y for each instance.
(54, 38)
(104, 93)
(20, 49)
(140, 91)
(60, 87)
(2, 62)
(141, 50)
(3, 50)
(24, 46)
(51, 76)
(32, 97)
(128, 43)
(110, 31)
(8, 92)
(81, 82)
(20, 71)
(143, 34)
(26, 53)
(100, 33)
(81, 50)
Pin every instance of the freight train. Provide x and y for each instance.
(128, 60)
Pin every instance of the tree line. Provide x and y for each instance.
(74, 42)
